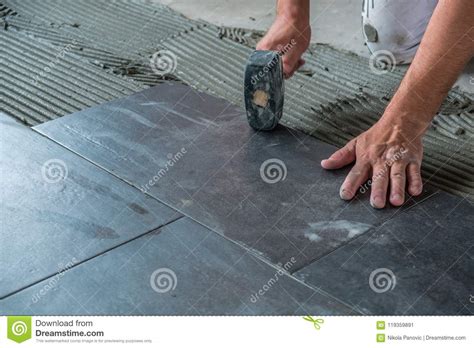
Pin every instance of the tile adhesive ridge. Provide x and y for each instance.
(39, 87)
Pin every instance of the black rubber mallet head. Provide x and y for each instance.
(264, 89)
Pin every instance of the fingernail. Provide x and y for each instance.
(416, 191)
(397, 198)
(377, 202)
(345, 194)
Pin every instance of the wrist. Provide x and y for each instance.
(409, 111)
(412, 122)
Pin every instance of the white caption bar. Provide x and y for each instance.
(238, 332)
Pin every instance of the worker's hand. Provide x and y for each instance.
(390, 154)
(291, 37)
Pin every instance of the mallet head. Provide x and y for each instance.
(264, 89)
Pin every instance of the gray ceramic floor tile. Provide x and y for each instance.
(182, 268)
(58, 209)
(421, 262)
(216, 170)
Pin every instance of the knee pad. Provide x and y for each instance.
(396, 26)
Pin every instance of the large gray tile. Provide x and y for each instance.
(217, 179)
(429, 252)
(62, 216)
(207, 275)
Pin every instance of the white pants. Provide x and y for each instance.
(396, 25)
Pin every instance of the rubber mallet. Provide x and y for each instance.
(264, 89)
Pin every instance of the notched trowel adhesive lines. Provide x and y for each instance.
(127, 61)
(43, 83)
(245, 37)
(121, 27)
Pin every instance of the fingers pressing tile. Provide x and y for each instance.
(356, 177)
(415, 184)
(340, 158)
(378, 196)
(397, 183)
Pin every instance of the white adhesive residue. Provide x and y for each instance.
(337, 229)
(312, 236)
(132, 114)
(168, 109)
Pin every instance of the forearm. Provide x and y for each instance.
(447, 46)
(294, 10)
